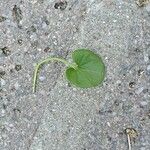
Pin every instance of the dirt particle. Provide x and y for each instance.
(130, 94)
(18, 67)
(2, 73)
(20, 41)
(16, 110)
(116, 102)
(33, 29)
(6, 51)
(101, 112)
(145, 91)
(132, 84)
(60, 5)
(34, 44)
(2, 18)
(140, 72)
(47, 49)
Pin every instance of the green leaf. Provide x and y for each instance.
(90, 71)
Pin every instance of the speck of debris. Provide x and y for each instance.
(17, 15)
(60, 5)
(130, 94)
(6, 51)
(4, 106)
(20, 41)
(145, 91)
(33, 29)
(2, 18)
(47, 49)
(11, 71)
(2, 73)
(18, 67)
(132, 84)
(34, 44)
(140, 72)
(69, 85)
(16, 110)
(116, 102)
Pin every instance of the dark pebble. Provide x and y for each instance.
(2, 18)
(140, 72)
(47, 49)
(60, 5)
(2, 73)
(18, 67)
(20, 41)
(6, 51)
(132, 84)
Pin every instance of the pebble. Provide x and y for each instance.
(3, 112)
(148, 68)
(3, 82)
(139, 90)
(18, 67)
(42, 78)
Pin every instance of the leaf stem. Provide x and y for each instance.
(73, 65)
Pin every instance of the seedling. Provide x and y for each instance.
(87, 69)
(131, 134)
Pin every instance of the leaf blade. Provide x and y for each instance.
(90, 71)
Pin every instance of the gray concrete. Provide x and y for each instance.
(60, 117)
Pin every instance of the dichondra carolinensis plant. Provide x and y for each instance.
(87, 69)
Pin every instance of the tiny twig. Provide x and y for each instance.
(129, 141)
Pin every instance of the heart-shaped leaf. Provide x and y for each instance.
(90, 70)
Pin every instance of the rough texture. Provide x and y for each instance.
(60, 117)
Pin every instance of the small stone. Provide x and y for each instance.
(2, 18)
(2, 112)
(33, 29)
(18, 67)
(6, 51)
(140, 72)
(132, 84)
(34, 44)
(47, 49)
(2, 73)
(42, 78)
(20, 41)
(145, 91)
(116, 102)
(60, 5)
(3, 82)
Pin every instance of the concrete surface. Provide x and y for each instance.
(59, 116)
